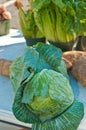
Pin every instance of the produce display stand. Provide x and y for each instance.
(11, 46)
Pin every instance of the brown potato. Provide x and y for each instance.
(78, 61)
(68, 63)
(5, 67)
(79, 70)
(73, 56)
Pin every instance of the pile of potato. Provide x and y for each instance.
(4, 14)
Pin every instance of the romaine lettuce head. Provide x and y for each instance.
(48, 94)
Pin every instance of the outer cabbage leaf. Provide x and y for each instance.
(23, 66)
(47, 94)
(62, 69)
(49, 56)
(69, 120)
(20, 110)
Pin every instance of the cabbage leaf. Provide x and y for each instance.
(69, 120)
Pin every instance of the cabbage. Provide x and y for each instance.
(46, 95)
(43, 95)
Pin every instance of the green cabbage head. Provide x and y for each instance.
(48, 94)
(43, 95)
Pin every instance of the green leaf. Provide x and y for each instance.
(38, 4)
(80, 7)
(45, 20)
(20, 110)
(62, 69)
(68, 120)
(60, 4)
(60, 28)
(28, 25)
(23, 66)
(51, 54)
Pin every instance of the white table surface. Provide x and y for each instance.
(11, 46)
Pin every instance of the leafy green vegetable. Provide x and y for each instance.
(28, 25)
(50, 54)
(69, 120)
(20, 110)
(43, 95)
(48, 96)
(45, 20)
(60, 21)
(80, 7)
(37, 4)
(62, 68)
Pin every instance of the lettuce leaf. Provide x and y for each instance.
(45, 20)
(28, 25)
